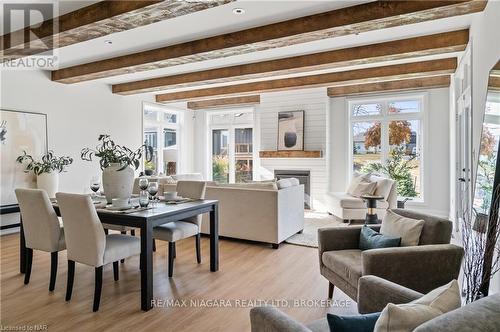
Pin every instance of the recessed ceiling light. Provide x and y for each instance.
(109, 42)
(238, 11)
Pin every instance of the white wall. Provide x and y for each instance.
(76, 115)
(436, 150)
(314, 102)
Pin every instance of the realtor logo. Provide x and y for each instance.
(28, 35)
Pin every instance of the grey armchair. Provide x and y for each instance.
(434, 262)
(374, 294)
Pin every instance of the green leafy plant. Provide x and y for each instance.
(48, 163)
(110, 153)
(220, 168)
(398, 168)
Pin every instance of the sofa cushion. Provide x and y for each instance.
(369, 239)
(252, 185)
(349, 323)
(188, 177)
(408, 229)
(347, 201)
(345, 263)
(406, 317)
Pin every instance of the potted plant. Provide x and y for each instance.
(46, 169)
(116, 162)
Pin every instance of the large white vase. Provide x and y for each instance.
(48, 182)
(117, 184)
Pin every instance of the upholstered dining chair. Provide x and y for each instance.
(178, 230)
(42, 230)
(88, 244)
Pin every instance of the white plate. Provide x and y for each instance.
(176, 199)
(114, 208)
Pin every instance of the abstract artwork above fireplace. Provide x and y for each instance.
(291, 130)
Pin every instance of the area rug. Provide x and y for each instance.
(312, 222)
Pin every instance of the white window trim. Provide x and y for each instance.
(230, 127)
(384, 118)
(177, 126)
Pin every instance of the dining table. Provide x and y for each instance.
(145, 220)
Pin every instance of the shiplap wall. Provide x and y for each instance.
(314, 102)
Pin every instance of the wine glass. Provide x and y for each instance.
(143, 199)
(95, 184)
(153, 189)
(143, 183)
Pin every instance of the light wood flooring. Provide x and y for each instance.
(248, 271)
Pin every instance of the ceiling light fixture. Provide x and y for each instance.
(238, 11)
(109, 42)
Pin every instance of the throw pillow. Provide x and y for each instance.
(364, 188)
(356, 179)
(408, 229)
(406, 317)
(369, 239)
(294, 181)
(358, 323)
(283, 183)
(384, 187)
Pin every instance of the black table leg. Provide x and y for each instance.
(22, 248)
(214, 238)
(146, 266)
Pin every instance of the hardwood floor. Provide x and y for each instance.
(247, 272)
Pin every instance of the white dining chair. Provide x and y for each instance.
(88, 244)
(41, 228)
(178, 230)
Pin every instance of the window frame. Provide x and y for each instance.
(177, 126)
(385, 118)
(230, 127)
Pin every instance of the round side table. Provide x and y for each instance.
(371, 204)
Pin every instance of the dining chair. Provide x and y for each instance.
(88, 244)
(178, 230)
(41, 228)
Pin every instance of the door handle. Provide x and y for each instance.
(461, 179)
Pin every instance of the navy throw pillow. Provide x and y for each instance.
(369, 239)
(358, 323)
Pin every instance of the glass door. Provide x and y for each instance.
(243, 154)
(220, 155)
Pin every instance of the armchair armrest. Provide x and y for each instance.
(421, 268)
(269, 319)
(375, 293)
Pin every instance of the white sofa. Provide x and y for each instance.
(254, 211)
(347, 207)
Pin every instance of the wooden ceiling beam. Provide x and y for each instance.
(345, 21)
(391, 86)
(96, 20)
(366, 75)
(419, 46)
(224, 102)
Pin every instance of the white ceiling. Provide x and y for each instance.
(221, 20)
(60, 8)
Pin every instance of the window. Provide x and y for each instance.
(232, 146)
(386, 138)
(161, 128)
(488, 154)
